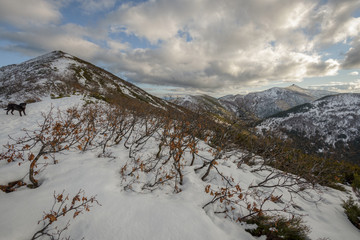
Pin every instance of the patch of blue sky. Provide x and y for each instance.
(185, 34)
(356, 14)
(73, 14)
(9, 56)
(133, 40)
(335, 51)
(5, 27)
(272, 43)
(132, 2)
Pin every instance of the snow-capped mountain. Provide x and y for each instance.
(253, 106)
(311, 92)
(202, 103)
(266, 103)
(332, 120)
(58, 73)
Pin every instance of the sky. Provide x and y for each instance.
(175, 47)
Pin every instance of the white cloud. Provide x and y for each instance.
(117, 46)
(334, 21)
(69, 38)
(343, 87)
(213, 44)
(354, 73)
(29, 12)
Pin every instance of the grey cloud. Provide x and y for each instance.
(352, 58)
(319, 68)
(22, 13)
(41, 40)
(233, 42)
(204, 45)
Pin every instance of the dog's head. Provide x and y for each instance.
(23, 105)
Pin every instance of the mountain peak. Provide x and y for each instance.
(294, 87)
(58, 73)
(47, 58)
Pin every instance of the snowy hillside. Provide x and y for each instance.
(214, 106)
(203, 103)
(59, 73)
(332, 120)
(252, 106)
(141, 196)
(266, 103)
(316, 94)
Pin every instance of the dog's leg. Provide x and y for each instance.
(7, 112)
(12, 111)
(20, 113)
(24, 113)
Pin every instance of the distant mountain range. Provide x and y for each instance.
(331, 123)
(253, 105)
(316, 121)
(210, 105)
(266, 103)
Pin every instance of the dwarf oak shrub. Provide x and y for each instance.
(352, 211)
(278, 227)
(356, 184)
(63, 205)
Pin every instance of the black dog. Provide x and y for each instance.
(11, 106)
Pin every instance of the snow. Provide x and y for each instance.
(186, 100)
(315, 93)
(63, 64)
(132, 215)
(127, 92)
(271, 101)
(337, 114)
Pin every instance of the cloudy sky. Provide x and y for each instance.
(195, 46)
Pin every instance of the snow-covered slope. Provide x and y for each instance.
(266, 103)
(203, 103)
(59, 73)
(159, 214)
(255, 105)
(311, 92)
(331, 120)
(214, 106)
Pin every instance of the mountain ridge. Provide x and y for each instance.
(331, 124)
(274, 100)
(255, 105)
(58, 73)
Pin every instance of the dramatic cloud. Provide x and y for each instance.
(205, 46)
(333, 23)
(219, 43)
(28, 12)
